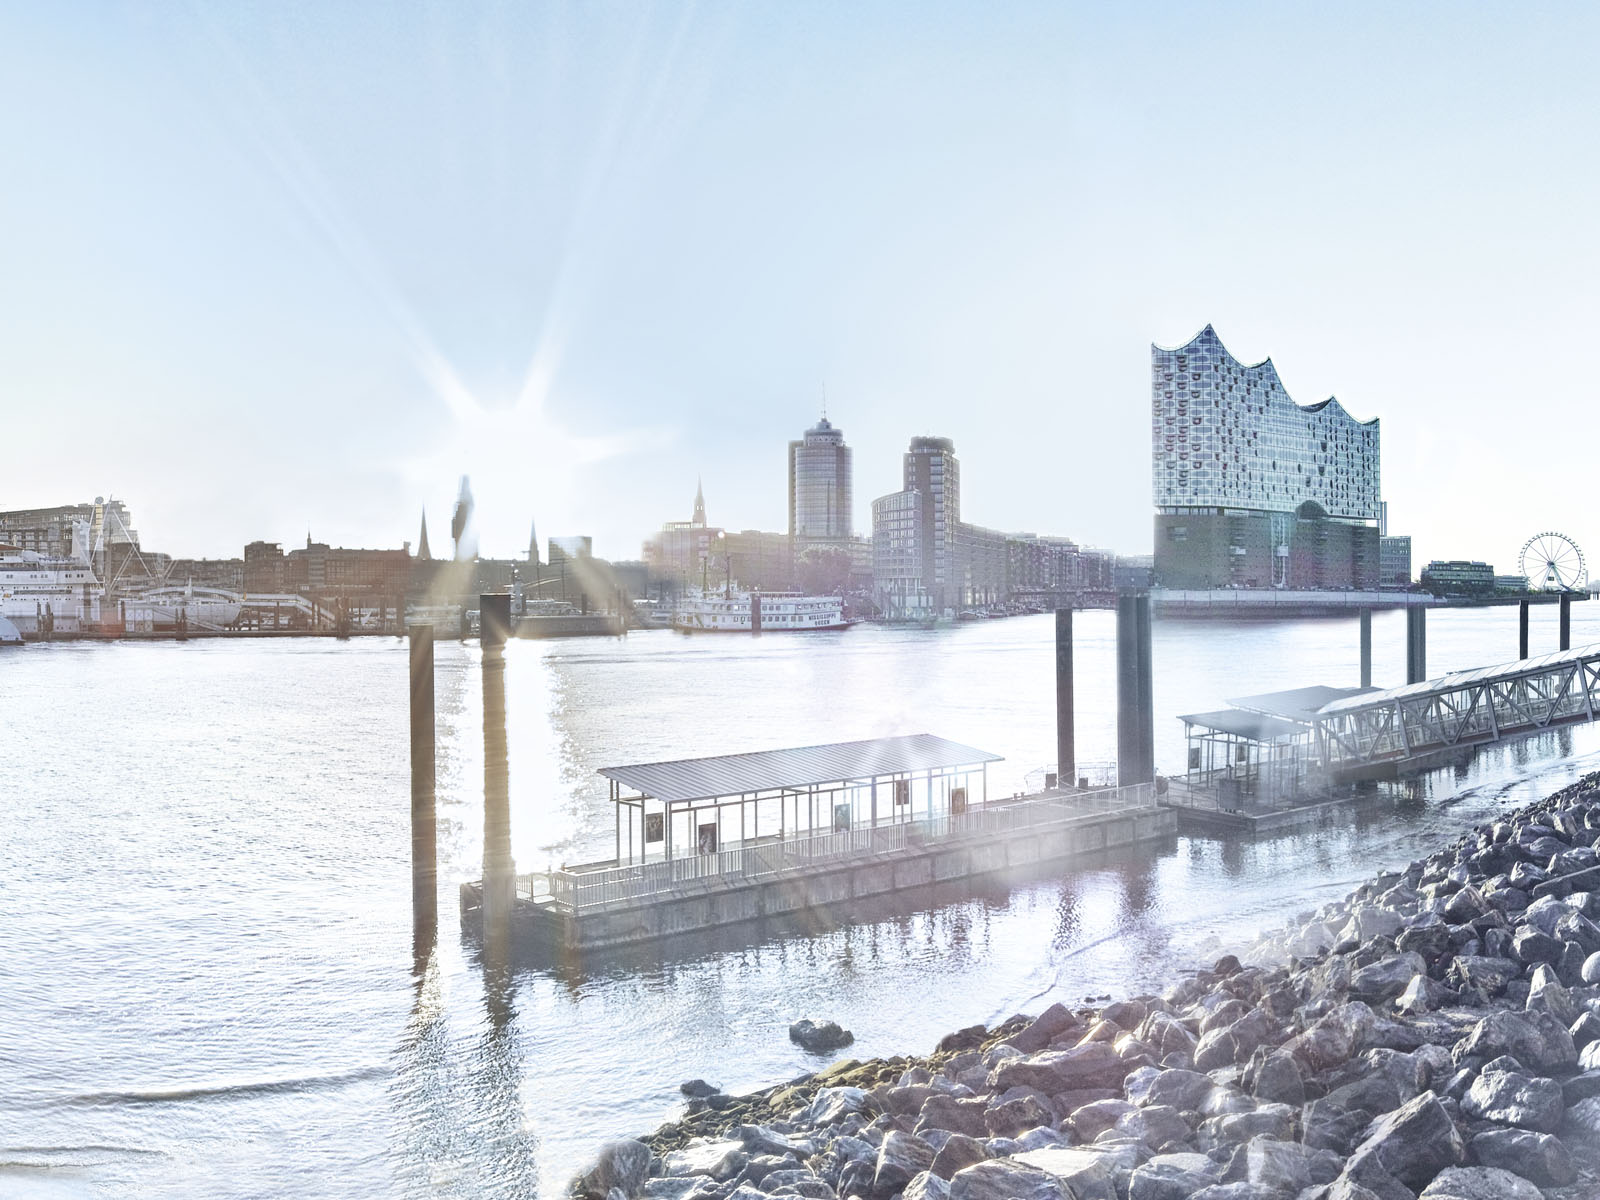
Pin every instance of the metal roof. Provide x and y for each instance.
(1461, 679)
(738, 774)
(1257, 727)
(1298, 704)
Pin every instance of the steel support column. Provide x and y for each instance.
(1066, 750)
(424, 822)
(1416, 644)
(1522, 629)
(1366, 647)
(1566, 620)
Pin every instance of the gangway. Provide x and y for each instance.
(1467, 708)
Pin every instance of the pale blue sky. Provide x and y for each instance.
(278, 265)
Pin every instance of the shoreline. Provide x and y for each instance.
(1436, 1033)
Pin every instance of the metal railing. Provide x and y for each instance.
(575, 889)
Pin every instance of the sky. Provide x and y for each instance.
(286, 268)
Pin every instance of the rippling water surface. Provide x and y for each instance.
(206, 983)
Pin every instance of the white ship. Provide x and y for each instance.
(781, 612)
(167, 608)
(37, 591)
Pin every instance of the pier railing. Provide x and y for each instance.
(578, 889)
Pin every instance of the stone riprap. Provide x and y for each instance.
(1436, 1035)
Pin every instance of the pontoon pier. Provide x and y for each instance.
(707, 842)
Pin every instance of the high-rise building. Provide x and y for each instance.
(1251, 489)
(932, 473)
(819, 489)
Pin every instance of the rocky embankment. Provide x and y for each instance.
(1435, 1035)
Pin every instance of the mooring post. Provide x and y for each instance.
(424, 825)
(1066, 750)
(1366, 647)
(755, 612)
(1147, 697)
(1566, 620)
(499, 871)
(1135, 729)
(1416, 644)
(1522, 629)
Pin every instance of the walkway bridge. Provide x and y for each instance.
(1375, 729)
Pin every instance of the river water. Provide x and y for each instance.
(206, 973)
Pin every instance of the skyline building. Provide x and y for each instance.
(820, 489)
(1251, 489)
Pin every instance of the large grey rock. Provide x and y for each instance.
(1278, 1079)
(1155, 1125)
(1411, 1144)
(1016, 1116)
(1524, 1036)
(1001, 1180)
(1388, 977)
(1488, 975)
(900, 1157)
(1094, 1065)
(958, 1152)
(957, 1116)
(1537, 1157)
(819, 1037)
(1086, 1174)
(1584, 1118)
(1179, 1088)
(926, 1186)
(721, 1159)
(1422, 995)
(1035, 1036)
(1591, 968)
(1289, 1167)
(1479, 1183)
(758, 1139)
(1089, 1121)
(1509, 1098)
(622, 1165)
(1173, 1177)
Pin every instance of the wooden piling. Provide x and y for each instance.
(499, 870)
(424, 823)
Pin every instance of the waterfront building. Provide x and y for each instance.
(757, 559)
(1251, 489)
(1458, 577)
(1394, 561)
(320, 571)
(108, 543)
(681, 550)
(819, 489)
(982, 566)
(897, 578)
(1053, 570)
(931, 472)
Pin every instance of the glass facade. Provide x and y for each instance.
(1227, 435)
(819, 488)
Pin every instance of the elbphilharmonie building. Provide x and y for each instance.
(1251, 489)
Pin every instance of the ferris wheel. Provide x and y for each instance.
(1552, 562)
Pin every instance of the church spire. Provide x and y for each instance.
(422, 542)
(533, 542)
(699, 503)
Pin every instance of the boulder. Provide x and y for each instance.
(1422, 995)
(1015, 1117)
(819, 1037)
(1388, 977)
(1278, 1079)
(901, 1157)
(1537, 1157)
(1037, 1034)
(1411, 1144)
(1584, 1118)
(721, 1159)
(1091, 1120)
(698, 1089)
(926, 1186)
(1087, 1174)
(833, 1104)
(1509, 1098)
(1155, 1125)
(1519, 1035)
(1179, 1088)
(957, 1116)
(1479, 1183)
(1000, 1180)
(1093, 1065)
(1172, 1177)
(621, 1165)
(958, 1152)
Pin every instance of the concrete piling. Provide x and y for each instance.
(1566, 620)
(499, 871)
(1522, 629)
(1066, 749)
(1416, 644)
(1135, 716)
(424, 824)
(1366, 647)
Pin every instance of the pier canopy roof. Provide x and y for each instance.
(767, 770)
(1252, 726)
(1298, 704)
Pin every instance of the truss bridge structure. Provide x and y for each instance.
(1468, 708)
